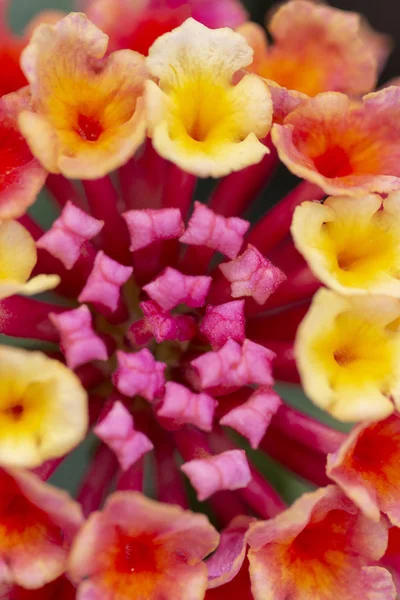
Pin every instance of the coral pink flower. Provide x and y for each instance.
(137, 547)
(319, 547)
(317, 48)
(344, 147)
(366, 468)
(37, 526)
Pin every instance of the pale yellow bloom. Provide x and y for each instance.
(348, 354)
(17, 258)
(197, 117)
(352, 244)
(43, 408)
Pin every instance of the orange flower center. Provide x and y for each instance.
(136, 555)
(376, 448)
(89, 128)
(333, 162)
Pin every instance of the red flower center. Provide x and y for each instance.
(89, 128)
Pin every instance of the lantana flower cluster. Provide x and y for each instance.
(166, 321)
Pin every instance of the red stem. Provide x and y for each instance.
(237, 191)
(170, 487)
(133, 478)
(273, 228)
(98, 479)
(285, 368)
(63, 191)
(278, 326)
(28, 318)
(178, 189)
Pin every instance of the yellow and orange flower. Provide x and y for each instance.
(316, 49)
(347, 350)
(17, 259)
(139, 548)
(37, 525)
(88, 115)
(322, 546)
(352, 244)
(366, 467)
(197, 117)
(43, 408)
(346, 148)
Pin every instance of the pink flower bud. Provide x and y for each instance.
(184, 406)
(68, 234)
(79, 342)
(164, 326)
(118, 432)
(224, 322)
(139, 373)
(252, 275)
(226, 471)
(151, 225)
(172, 288)
(206, 228)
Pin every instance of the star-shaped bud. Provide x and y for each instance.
(139, 373)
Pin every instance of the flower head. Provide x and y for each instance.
(320, 547)
(344, 147)
(197, 118)
(351, 244)
(347, 351)
(43, 408)
(87, 116)
(138, 547)
(316, 49)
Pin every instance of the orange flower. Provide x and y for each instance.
(321, 547)
(87, 117)
(344, 147)
(139, 548)
(317, 48)
(21, 175)
(366, 468)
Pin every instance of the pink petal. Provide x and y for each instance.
(68, 234)
(118, 432)
(252, 418)
(227, 560)
(172, 288)
(150, 225)
(226, 471)
(206, 228)
(103, 286)
(162, 325)
(235, 365)
(252, 275)
(224, 322)
(139, 373)
(184, 406)
(79, 342)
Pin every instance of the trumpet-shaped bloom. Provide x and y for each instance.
(344, 147)
(21, 175)
(352, 245)
(347, 351)
(138, 548)
(87, 116)
(17, 260)
(197, 118)
(366, 468)
(317, 48)
(43, 408)
(37, 526)
(319, 548)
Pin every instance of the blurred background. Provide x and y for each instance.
(384, 16)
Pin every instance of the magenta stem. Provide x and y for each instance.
(274, 227)
(133, 478)
(307, 431)
(285, 368)
(169, 481)
(178, 189)
(48, 468)
(295, 456)
(28, 318)
(63, 191)
(98, 479)
(237, 191)
(278, 325)
(104, 202)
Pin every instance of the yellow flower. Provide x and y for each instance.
(348, 354)
(17, 258)
(197, 117)
(352, 244)
(88, 115)
(43, 408)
